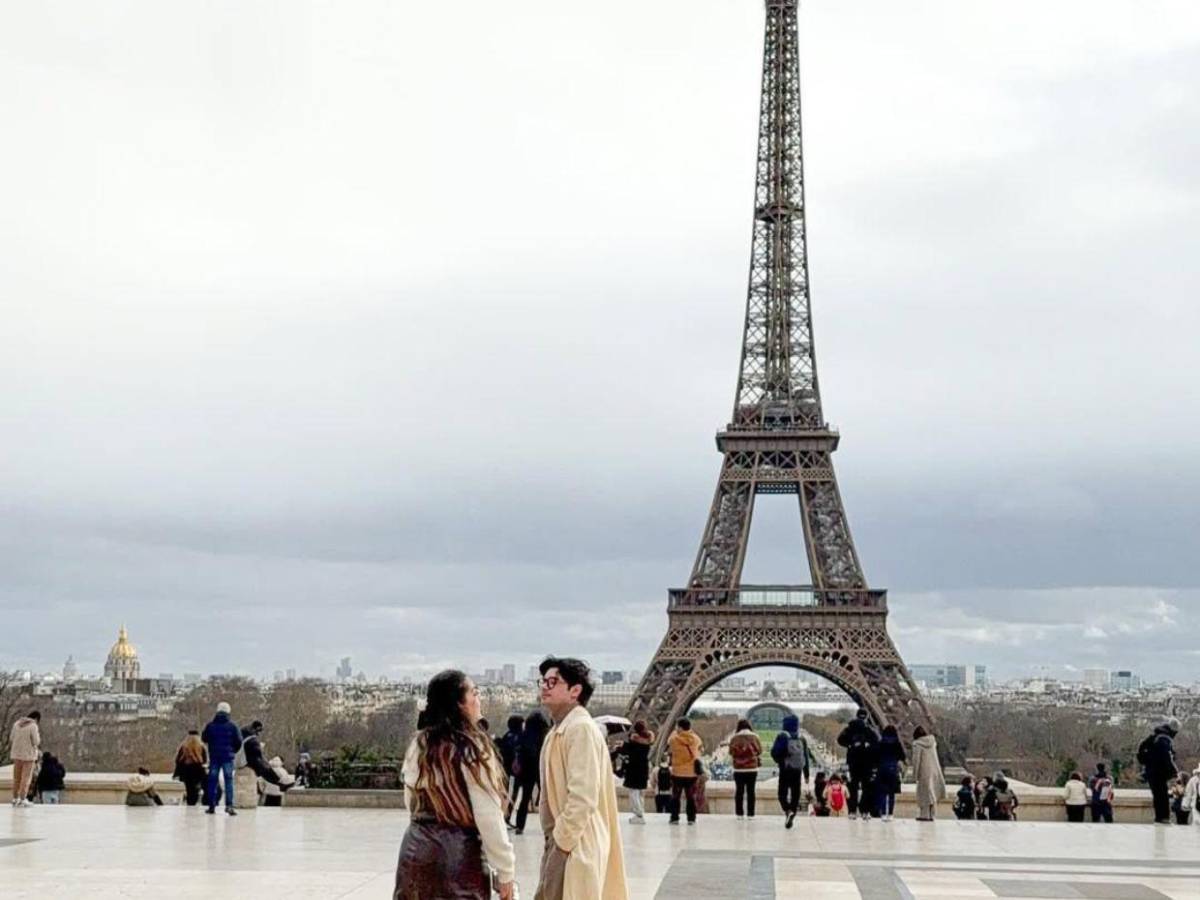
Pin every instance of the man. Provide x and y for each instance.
(1157, 754)
(251, 760)
(684, 747)
(582, 858)
(25, 741)
(224, 740)
(860, 741)
(507, 746)
(1101, 786)
(790, 752)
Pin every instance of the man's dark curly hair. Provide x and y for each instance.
(573, 672)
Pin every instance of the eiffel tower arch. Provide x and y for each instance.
(778, 442)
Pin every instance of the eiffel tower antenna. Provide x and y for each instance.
(778, 442)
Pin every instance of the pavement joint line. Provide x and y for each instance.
(883, 859)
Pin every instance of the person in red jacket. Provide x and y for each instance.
(745, 749)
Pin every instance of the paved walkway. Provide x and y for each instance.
(114, 851)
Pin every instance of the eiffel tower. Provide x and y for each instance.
(778, 442)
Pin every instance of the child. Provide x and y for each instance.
(701, 784)
(662, 787)
(837, 796)
(820, 801)
(273, 793)
(964, 802)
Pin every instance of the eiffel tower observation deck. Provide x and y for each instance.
(778, 442)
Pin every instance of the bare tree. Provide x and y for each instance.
(297, 714)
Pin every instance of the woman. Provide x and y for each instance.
(191, 766)
(1075, 797)
(455, 790)
(1191, 796)
(927, 772)
(890, 755)
(1000, 800)
(139, 790)
(1183, 815)
(636, 751)
(745, 749)
(526, 766)
(50, 778)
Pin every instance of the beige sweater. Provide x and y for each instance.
(26, 740)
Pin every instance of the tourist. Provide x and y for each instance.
(890, 757)
(1178, 789)
(662, 784)
(820, 796)
(50, 779)
(455, 790)
(582, 857)
(745, 749)
(527, 763)
(1191, 796)
(273, 791)
(982, 787)
(685, 748)
(1001, 800)
(25, 742)
(191, 766)
(836, 791)
(927, 773)
(1075, 797)
(701, 788)
(860, 740)
(1157, 755)
(223, 739)
(252, 757)
(964, 800)
(636, 751)
(1100, 785)
(139, 790)
(507, 746)
(790, 753)
(304, 771)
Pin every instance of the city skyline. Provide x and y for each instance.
(254, 404)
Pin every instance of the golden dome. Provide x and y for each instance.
(122, 649)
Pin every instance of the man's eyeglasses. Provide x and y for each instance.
(549, 682)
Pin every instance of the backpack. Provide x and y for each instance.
(797, 754)
(1145, 751)
(837, 797)
(1006, 802)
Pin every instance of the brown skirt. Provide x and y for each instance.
(441, 862)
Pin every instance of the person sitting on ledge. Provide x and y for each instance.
(140, 790)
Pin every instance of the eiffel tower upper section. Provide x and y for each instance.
(778, 440)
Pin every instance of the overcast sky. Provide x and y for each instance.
(402, 330)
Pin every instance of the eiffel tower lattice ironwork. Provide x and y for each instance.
(778, 442)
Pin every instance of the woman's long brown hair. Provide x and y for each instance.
(191, 750)
(446, 746)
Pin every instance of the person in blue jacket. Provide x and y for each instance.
(223, 739)
(791, 754)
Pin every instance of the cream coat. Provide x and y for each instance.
(579, 801)
(927, 773)
(26, 740)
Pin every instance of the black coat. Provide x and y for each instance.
(51, 776)
(1161, 766)
(507, 747)
(529, 753)
(860, 741)
(637, 764)
(889, 755)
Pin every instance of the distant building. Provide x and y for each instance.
(534, 674)
(277, 676)
(612, 677)
(508, 674)
(1124, 680)
(122, 668)
(1097, 678)
(345, 671)
(491, 676)
(70, 670)
(950, 675)
(291, 674)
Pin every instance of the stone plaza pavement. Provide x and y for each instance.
(114, 851)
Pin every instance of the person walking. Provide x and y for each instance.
(527, 763)
(25, 742)
(507, 745)
(685, 748)
(890, 757)
(1100, 785)
(1075, 797)
(745, 749)
(964, 800)
(1157, 755)
(50, 779)
(662, 783)
(636, 751)
(790, 753)
(455, 790)
(860, 740)
(582, 859)
(191, 766)
(223, 739)
(927, 772)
